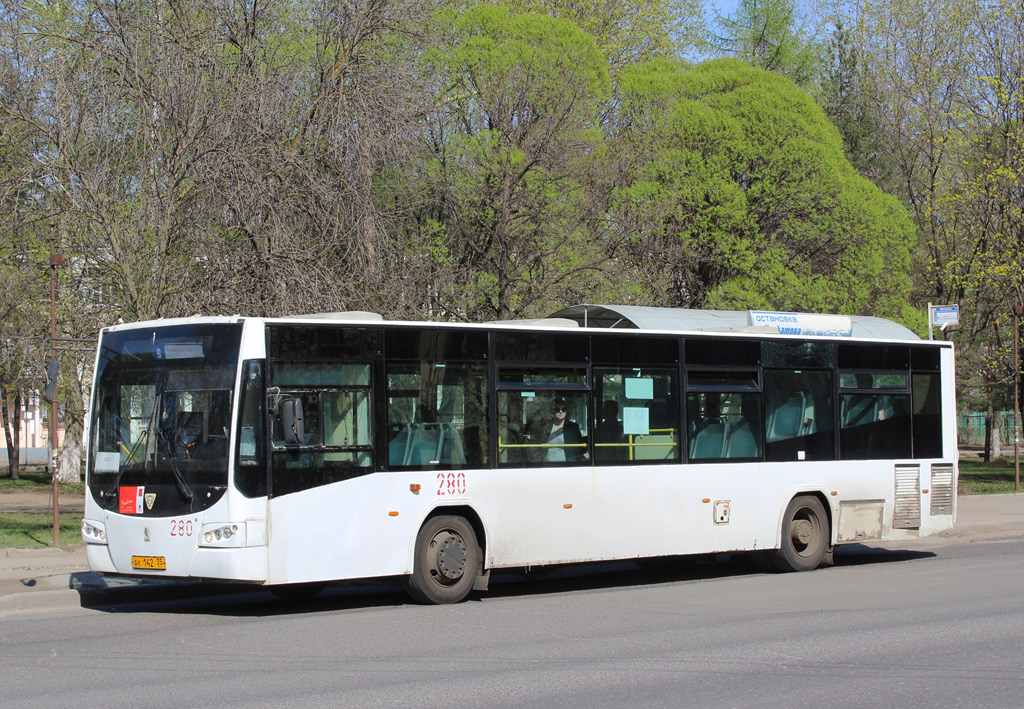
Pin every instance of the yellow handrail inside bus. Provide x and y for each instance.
(633, 443)
(130, 456)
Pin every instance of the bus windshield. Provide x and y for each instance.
(161, 420)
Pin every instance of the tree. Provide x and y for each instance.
(628, 32)
(850, 99)
(23, 255)
(21, 336)
(509, 180)
(768, 34)
(743, 197)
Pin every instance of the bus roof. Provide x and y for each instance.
(624, 317)
(648, 318)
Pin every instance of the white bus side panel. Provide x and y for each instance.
(344, 530)
(366, 527)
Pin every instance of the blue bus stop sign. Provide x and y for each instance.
(945, 315)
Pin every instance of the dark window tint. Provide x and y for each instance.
(436, 345)
(634, 349)
(721, 379)
(542, 377)
(924, 359)
(324, 343)
(726, 351)
(792, 355)
(251, 471)
(512, 346)
(874, 356)
(799, 415)
(308, 374)
(874, 425)
(927, 399)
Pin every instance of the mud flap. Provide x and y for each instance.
(482, 580)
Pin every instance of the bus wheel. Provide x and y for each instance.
(446, 561)
(805, 535)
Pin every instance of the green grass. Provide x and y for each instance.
(37, 480)
(34, 530)
(979, 478)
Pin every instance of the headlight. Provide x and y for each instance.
(222, 534)
(93, 532)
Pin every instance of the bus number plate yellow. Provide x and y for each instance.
(156, 563)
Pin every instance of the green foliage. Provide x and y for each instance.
(767, 34)
(745, 194)
(511, 178)
(628, 32)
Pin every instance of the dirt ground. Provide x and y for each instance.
(38, 501)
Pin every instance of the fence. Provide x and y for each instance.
(970, 428)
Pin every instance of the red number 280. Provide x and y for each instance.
(451, 484)
(181, 528)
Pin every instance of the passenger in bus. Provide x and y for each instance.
(562, 436)
(609, 431)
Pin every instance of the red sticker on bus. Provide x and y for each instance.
(130, 500)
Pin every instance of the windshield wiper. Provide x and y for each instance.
(184, 489)
(116, 485)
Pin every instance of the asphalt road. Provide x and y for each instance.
(936, 626)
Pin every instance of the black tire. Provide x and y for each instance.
(446, 561)
(805, 535)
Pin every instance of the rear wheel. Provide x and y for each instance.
(446, 561)
(805, 535)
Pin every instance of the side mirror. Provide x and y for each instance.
(51, 380)
(291, 421)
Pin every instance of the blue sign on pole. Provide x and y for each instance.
(944, 315)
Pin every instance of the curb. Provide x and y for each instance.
(39, 600)
(127, 592)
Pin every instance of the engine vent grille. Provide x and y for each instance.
(942, 490)
(908, 497)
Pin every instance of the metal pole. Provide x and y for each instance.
(1018, 310)
(929, 321)
(55, 260)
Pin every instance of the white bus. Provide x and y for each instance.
(293, 452)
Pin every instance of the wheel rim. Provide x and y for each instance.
(805, 532)
(447, 555)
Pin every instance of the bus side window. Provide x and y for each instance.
(798, 415)
(726, 425)
(874, 415)
(436, 414)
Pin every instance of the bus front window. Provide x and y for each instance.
(164, 418)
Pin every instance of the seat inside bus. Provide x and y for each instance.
(419, 444)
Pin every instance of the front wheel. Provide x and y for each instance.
(805, 535)
(446, 561)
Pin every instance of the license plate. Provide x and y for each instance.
(157, 563)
